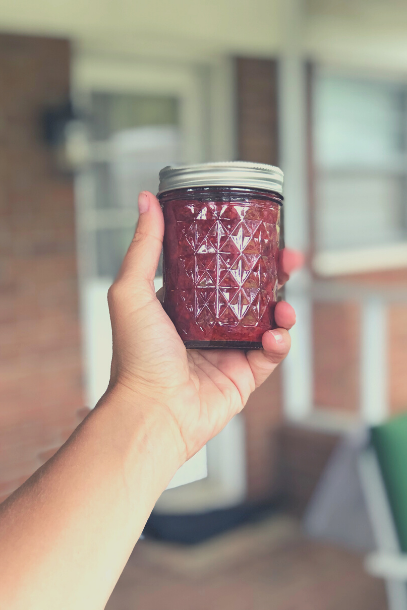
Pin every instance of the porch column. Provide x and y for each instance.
(298, 369)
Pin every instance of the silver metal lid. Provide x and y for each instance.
(229, 173)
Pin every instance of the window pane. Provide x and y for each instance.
(140, 136)
(136, 157)
(357, 211)
(360, 151)
(115, 112)
(104, 196)
(358, 122)
(133, 137)
(111, 246)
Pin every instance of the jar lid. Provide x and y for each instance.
(231, 173)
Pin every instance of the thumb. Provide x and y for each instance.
(141, 260)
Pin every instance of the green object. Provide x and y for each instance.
(390, 443)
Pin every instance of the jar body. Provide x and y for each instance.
(221, 247)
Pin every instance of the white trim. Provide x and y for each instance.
(223, 145)
(293, 145)
(387, 565)
(341, 262)
(373, 361)
(298, 367)
(90, 73)
(330, 421)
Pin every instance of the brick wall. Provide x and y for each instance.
(40, 362)
(263, 417)
(393, 279)
(336, 349)
(397, 357)
(303, 455)
(257, 110)
(336, 352)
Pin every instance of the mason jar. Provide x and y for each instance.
(221, 250)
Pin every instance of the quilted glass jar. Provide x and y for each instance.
(221, 247)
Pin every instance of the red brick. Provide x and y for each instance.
(397, 354)
(40, 352)
(263, 417)
(303, 455)
(257, 105)
(336, 329)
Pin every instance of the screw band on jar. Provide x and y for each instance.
(221, 248)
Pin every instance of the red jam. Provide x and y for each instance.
(221, 248)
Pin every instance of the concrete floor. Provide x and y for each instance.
(266, 566)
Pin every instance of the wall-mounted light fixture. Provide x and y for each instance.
(67, 134)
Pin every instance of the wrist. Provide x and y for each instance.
(149, 422)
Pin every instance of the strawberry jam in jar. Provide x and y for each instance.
(221, 248)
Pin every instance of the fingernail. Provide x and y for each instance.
(277, 336)
(143, 203)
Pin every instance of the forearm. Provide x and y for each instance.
(66, 535)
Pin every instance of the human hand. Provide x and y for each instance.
(199, 391)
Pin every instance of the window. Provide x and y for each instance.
(361, 170)
(132, 138)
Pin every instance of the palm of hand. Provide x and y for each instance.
(202, 389)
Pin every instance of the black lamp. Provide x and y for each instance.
(65, 131)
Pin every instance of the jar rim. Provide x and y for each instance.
(222, 173)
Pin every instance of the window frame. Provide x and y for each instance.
(354, 260)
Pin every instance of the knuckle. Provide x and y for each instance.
(279, 357)
(138, 237)
(142, 235)
(115, 293)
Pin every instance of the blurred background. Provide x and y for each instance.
(304, 505)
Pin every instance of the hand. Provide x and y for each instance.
(199, 391)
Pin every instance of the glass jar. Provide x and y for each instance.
(221, 248)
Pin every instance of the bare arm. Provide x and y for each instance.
(67, 533)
